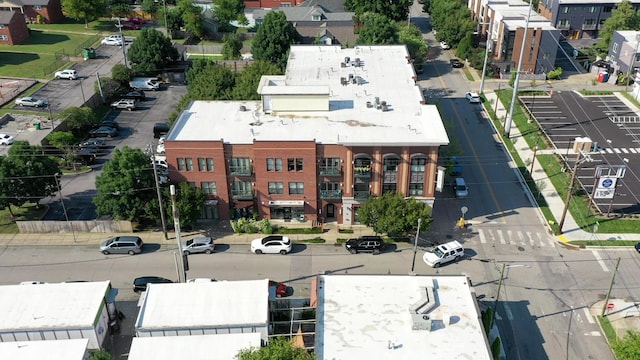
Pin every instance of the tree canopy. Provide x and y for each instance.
(393, 214)
(246, 87)
(629, 347)
(377, 29)
(452, 19)
(623, 17)
(411, 36)
(278, 348)
(396, 10)
(191, 16)
(78, 119)
(125, 185)
(151, 52)
(26, 175)
(86, 10)
(231, 47)
(189, 202)
(274, 38)
(228, 11)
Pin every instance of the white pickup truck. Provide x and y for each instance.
(444, 253)
(140, 83)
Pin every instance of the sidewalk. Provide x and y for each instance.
(571, 230)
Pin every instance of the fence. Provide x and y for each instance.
(62, 57)
(97, 226)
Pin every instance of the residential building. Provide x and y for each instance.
(57, 311)
(331, 5)
(13, 29)
(579, 19)
(624, 44)
(398, 317)
(267, 4)
(317, 24)
(339, 126)
(503, 22)
(50, 11)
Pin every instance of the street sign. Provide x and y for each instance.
(605, 188)
(464, 210)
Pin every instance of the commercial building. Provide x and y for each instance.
(398, 317)
(339, 126)
(223, 307)
(194, 347)
(71, 349)
(59, 311)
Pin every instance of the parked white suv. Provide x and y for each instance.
(444, 253)
(66, 74)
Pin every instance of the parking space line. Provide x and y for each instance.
(501, 237)
(599, 259)
(483, 240)
(587, 315)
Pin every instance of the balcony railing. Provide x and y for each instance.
(589, 26)
(330, 170)
(362, 195)
(242, 194)
(363, 172)
(240, 170)
(330, 194)
(563, 26)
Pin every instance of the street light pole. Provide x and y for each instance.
(176, 223)
(486, 60)
(415, 249)
(633, 60)
(64, 209)
(124, 44)
(507, 125)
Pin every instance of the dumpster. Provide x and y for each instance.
(38, 126)
(89, 53)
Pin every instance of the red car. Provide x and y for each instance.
(137, 20)
(281, 289)
(130, 26)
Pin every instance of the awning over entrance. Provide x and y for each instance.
(284, 203)
(242, 204)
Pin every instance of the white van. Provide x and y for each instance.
(460, 187)
(444, 253)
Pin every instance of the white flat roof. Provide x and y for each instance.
(194, 305)
(52, 305)
(192, 347)
(386, 74)
(368, 317)
(70, 349)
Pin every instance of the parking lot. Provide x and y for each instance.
(611, 124)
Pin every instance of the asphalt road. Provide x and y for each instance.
(540, 294)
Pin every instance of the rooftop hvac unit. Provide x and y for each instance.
(384, 107)
(356, 62)
(347, 60)
(243, 108)
(343, 64)
(343, 81)
(359, 80)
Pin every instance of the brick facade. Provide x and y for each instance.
(13, 28)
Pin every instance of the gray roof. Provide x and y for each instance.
(24, 2)
(301, 13)
(5, 17)
(341, 30)
(331, 5)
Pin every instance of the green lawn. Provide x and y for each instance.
(25, 212)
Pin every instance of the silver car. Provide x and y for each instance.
(122, 245)
(202, 244)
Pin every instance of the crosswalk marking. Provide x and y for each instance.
(619, 150)
(513, 237)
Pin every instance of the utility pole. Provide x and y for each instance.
(606, 299)
(495, 304)
(124, 43)
(64, 209)
(182, 276)
(415, 249)
(486, 59)
(100, 87)
(570, 190)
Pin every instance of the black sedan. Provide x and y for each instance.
(140, 284)
(135, 95)
(94, 142)
(455, 63)
(103, 131)
(110, 123)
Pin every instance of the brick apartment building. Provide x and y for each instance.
(267, 4)
(341, 125)
(13, 29)
(50, 10)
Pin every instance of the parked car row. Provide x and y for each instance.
(140, 284)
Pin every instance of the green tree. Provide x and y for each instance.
(246, 86)
(396, 10)
(78, 120)
(192, 17)
(629, 347)
(86, 10)
(555, 74)
(121, 74)
(465, 48)
(230, 10)
(278, 348)
(61, 139)
(150, 6)
(101, 354)
(151, 52)
(26, 175)
(214, 82)
(110, 87)
(623, 17)
(411, 36)
(125, 185)
(232, 46)
(377, 29)
(189, 202)
(391, 213)
(119, 8)
(453, 21)
(274, 38)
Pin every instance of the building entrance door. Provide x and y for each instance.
(331, 211)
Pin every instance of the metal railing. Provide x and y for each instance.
(241, 170)
(361, 194)
(330, 194)
(242, 194)
(330, 170)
